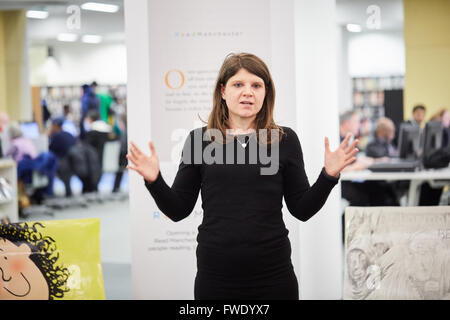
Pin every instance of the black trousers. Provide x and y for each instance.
(210, 288)
(429, 196)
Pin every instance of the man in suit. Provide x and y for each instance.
(417, 119)
(418, 115)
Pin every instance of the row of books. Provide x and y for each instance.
(6, 190)
(378, 83)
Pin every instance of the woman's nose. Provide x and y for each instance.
(247, 91)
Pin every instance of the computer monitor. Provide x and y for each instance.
(30, 130)
(409, 141)
(432, 137)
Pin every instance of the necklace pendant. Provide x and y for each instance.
(243, 144)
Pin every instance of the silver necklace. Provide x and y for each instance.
(243, 144)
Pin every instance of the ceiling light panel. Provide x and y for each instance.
(67, 37)
(102, 7)
(37, 14)
(91, 38)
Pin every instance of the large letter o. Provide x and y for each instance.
(166, 79)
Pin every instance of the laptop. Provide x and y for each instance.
(396, 165)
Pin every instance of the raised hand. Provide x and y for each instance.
(342, 157)
(146, 166)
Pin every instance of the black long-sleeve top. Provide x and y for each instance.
(242, 233)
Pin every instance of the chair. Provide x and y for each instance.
(111, 153)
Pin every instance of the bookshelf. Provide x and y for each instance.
(9, 207)
(369, 94)
(376, 97)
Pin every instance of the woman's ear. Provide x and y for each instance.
(222, 91)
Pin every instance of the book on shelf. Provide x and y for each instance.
(6, 192)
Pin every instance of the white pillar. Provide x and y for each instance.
(138, 118)
(317, 116)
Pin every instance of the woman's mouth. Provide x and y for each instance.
(246, 103)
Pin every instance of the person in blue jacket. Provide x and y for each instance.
(89, 102)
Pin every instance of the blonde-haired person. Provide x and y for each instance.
(243, 248)
(443, 116)
(382, 146)
(438, 116)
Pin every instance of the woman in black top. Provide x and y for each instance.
(243, 164)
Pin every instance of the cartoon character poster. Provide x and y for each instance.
(51, 260)
(396, 253)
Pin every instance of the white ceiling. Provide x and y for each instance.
(108, 25)
(111, 25)
(355, 11)
(27, 4)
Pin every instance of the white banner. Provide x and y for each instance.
(187, 42)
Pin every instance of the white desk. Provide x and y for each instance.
(435, 177)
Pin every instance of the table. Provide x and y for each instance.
(435, 177)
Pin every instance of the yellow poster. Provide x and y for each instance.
(51, 260)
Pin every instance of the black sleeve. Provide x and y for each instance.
(178, 201)
(303, 200)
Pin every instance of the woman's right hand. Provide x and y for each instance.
(146, 166)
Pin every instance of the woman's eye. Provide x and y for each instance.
(257, 85)
(237, 85)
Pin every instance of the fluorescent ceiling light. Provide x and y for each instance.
(67, 37)
(103, 7)
(37, 14)
(91, 38)
(354, 27)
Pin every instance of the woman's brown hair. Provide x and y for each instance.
(218, 119)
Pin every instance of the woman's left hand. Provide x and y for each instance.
(343, 156)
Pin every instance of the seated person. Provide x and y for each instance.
(382, 146)
(350, 122)
(418, 115)
(445, 119)
(372, 193)
(430, 196)
(60, 143)
(23, 151)
(19, 145)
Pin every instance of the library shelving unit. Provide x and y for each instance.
(375, 97)
(9, 207)
(369, 94)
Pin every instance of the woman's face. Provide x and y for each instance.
(244, 94)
